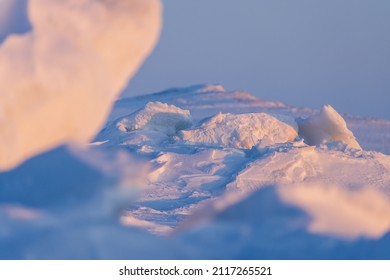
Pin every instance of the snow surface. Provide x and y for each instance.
(144, 193)
(59, 80)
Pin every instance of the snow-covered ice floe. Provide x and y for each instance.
(143, 190)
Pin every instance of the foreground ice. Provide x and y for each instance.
(60, 79)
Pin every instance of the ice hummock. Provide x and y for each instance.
(326, 126)
(242, 130)
(157, 116)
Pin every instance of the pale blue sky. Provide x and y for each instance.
(303, 52)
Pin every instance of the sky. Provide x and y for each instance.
(304, 52)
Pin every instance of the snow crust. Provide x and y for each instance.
(242, 130)
(326, 126)
(60, 79)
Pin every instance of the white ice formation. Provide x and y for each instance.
(60, 79)
(242, 130)
(157, 116)
(326, 126)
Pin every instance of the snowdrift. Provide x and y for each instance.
(60, 79)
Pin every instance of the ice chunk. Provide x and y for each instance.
(157, 116)
(327, 126)
(242, 130)
(60, 79)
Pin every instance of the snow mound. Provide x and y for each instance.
(336, 211)
(157, 116)
(327, 126)
(68, 70)
(242, 130)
